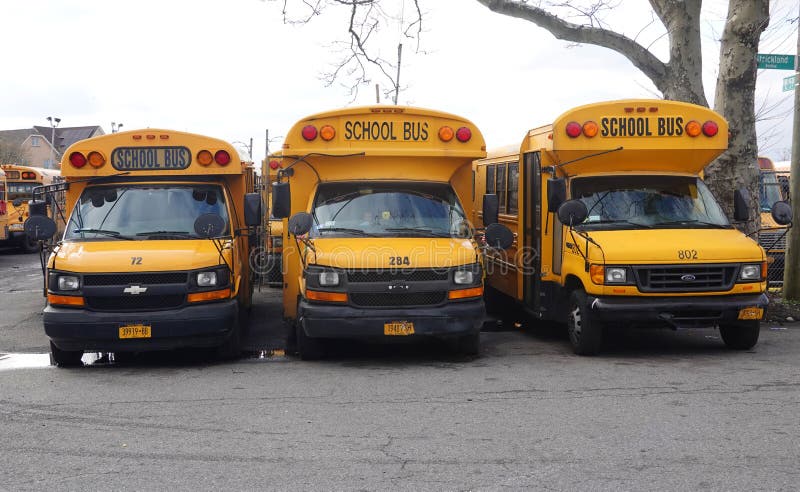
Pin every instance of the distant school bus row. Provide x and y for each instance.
(597, 220)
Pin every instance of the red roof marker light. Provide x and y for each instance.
(574, 129)
(710, 129)
(77, 160)
(309, 132)
(463, 134)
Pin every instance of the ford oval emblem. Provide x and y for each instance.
(688, 278)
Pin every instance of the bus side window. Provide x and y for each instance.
(513, 187)
(490, 179)
(500, 187)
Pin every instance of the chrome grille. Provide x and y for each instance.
(685, 278)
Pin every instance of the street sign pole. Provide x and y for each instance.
(791, 275)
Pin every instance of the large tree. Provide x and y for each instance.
(678, 78)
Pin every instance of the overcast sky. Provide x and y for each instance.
(232, 69)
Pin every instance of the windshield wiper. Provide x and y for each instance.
(690, 221)
(345, 229)
(104, 232)
(618, 221)
(418, 229)
(165, 233)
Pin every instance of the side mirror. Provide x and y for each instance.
(491, 207)
(252, 209)
(782, 213)
(300, 223)
(209, 225)
(556, 193)
(17, 202)
(741, 205)
(572, 212)
(281, 200)
(39, 227)
(499, 236)
(37, 207)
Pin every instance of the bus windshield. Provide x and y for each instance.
(21, 190)
(770, 190)
(389, 209)
(143, 212)
(649, 201)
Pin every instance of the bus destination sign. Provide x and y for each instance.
(386, 131)
(150, 158)
(642, 126)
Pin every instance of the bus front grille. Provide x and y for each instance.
(134, 303)
(390, 299)
(685, 278)
(106, 279)
(415, 275)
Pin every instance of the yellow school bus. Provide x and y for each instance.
(614, 225)
(156, 249)
(773, 236)
(379, 245)
(273, 227)
(20, 183)
(3, 207)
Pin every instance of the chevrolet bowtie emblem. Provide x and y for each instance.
(134, 290)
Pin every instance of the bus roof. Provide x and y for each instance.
(393, 131)
(15, 171)
(632, 135)
(150, 152)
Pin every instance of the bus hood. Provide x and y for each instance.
(136, 256)
(361, 252)
(666, 246)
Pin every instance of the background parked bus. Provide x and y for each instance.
(618, 228)
(3, 207)
(773, 236)
(379, 246)
(271, 260)
(156, 250)
(21, 180)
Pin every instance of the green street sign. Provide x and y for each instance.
(776, 62)
(789, 83)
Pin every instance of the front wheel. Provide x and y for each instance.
(65, 358)
(585, 332)
(741, 336)
(308, 348)
(28, 245)
(232, 347)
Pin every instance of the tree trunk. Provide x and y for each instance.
(735, 100)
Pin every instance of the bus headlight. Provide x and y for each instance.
(463, 277)
(68, 282)
(328, 279)
(750, 272)
(616, 275)
(206, 279)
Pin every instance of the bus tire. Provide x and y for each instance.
(585, 332)
(470, 344)
(27, 245)
(232, 347)
(65, 358)
(740, 336)
(308, 348)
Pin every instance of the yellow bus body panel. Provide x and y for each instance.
(365, 252)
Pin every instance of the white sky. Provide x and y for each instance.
(231, 69)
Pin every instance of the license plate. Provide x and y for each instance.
(135, 331)
(751, 313)
(16, 227)
(398, 328)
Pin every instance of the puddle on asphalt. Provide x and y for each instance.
(23, 361)
(33, 361)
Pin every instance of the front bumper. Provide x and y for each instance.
(675, 312)
(340, 321)
(203, 325)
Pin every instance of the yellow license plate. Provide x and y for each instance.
(751, 313)
(135, 331)
(398, 328)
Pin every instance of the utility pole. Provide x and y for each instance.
(791, 276)
(397, 80)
